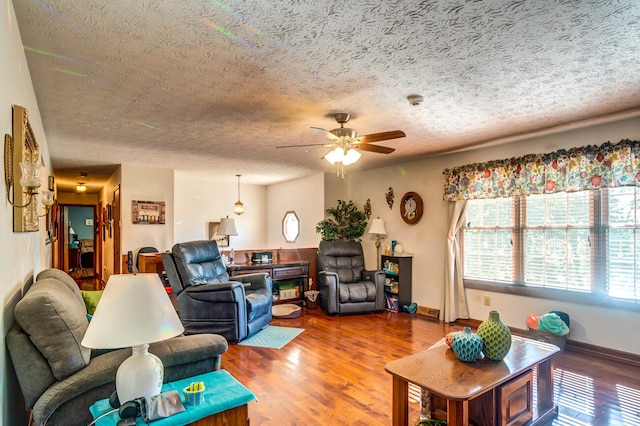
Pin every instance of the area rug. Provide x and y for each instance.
(272, 337)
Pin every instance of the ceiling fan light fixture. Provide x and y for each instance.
(351, 157)
(335, 156)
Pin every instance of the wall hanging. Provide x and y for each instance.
(411, 208)
(148, 212)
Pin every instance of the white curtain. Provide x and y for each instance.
(454, 298)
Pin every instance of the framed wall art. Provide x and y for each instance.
(22, 147)
(148, 212)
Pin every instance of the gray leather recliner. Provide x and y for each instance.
(208, 300)
(344, 284)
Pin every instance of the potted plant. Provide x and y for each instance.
(345, 223)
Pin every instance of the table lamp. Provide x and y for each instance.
(227, 228)
(134, 310)
(377, 228)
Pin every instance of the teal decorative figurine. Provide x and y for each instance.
(466, 345)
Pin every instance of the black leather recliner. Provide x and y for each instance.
(208, 300)
(345, 286)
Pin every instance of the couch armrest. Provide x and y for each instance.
(329, 292)
(378, 278)
(230, 292)
(255, 281)
(182, 356)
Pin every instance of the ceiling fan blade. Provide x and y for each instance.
(375, 148)
(377, 137)
(326, 133)
(306, 144)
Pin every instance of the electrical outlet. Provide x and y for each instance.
(487, 301)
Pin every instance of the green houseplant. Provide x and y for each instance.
(345, 223)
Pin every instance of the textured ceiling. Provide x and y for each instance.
(215, 86)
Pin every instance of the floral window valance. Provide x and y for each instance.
(576, 169)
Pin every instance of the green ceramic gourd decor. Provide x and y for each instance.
(496, 337)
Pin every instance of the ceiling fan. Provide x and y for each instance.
(345, 143)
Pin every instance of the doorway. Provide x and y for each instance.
(78, 240)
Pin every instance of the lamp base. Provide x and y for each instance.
(139, 375)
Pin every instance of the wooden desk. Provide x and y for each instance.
(480, 391)
(150, 262)
(74, 258)
(279, 272)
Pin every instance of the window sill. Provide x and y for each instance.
(603, 301)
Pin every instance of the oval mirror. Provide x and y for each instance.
(290, 226)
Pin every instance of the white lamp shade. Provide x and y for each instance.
(351, 157)
(133, 310)
(377, 227)
(227, 227)
(335, 156)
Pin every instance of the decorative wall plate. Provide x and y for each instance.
(411, 208)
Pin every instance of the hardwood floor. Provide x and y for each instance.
(333, 374)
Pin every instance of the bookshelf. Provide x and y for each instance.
(397, 288)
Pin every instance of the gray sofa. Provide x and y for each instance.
(58, 377)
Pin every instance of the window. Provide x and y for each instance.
(290, 226)
(586, 242)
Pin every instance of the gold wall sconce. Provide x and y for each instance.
(22, 173)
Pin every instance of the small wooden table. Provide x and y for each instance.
(480, 391)
(225, 403)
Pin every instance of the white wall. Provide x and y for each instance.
(199, 200)
(589, 324)
(22, 255)
(146, 184)
(303, 196)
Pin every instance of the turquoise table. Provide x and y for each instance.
(222, 392)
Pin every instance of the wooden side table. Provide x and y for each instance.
(225, 403)
(487, 392)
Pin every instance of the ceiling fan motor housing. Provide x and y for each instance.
(344, 133)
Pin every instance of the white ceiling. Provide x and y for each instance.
(215, 86)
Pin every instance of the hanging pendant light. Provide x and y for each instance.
(239, 207)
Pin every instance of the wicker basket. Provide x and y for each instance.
(545, 336)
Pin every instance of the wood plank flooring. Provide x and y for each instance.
(333, 374)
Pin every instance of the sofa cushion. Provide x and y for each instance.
(64, 278)
(91, 299)
(363, 291)
(55, 322)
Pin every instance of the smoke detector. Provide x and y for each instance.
(415, 100)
